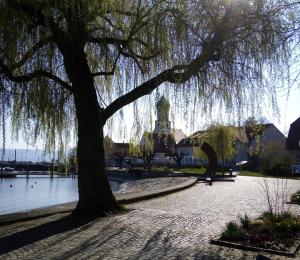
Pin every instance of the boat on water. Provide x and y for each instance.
(7, 172)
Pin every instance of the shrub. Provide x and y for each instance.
(288, 225)
(283, 223)
(276, 194)
(266, 227)
(275, 160)
(245, 221)
(296, 197)
(277, 170)
(270, 216)
(233, 232)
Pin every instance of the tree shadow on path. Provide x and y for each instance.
(35, 234)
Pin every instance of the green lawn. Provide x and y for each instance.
(202, 170)
(252, 174)
(192, 170)
(260, 174)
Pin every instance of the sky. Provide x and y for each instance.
(289, 109)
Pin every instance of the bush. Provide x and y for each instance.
(277, 170)
(296, 197)
(233, 232)
(279, 229)
(288, 225)
(275, 160)
(283, 223)
(266, 227)
(245, 221)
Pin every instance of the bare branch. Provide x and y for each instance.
(30, 53)
(6, 71)
(107, 40)
(107, 73)
(113, 25)
(128, 55)
(168, 75)
(141, 57)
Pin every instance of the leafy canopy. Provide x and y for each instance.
(221, 49)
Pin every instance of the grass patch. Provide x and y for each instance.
(252, 174)
(161, 169)
(201, 170)
(261, 174)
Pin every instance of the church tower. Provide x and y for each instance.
(162, 124)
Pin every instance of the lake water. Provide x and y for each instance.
(21, 193)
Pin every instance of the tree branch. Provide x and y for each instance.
(34, 11)
(7, 72)
(208, 53)
(132, 54)
(113, 25)
(128, 55)
(169, 75)
(107, 40)
(30, 53)
(107, 73)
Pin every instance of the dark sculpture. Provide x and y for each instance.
(212, 159)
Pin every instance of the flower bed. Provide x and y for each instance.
(272, 233)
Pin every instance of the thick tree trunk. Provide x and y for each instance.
(95, 195)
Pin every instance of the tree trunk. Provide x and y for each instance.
(95, 195)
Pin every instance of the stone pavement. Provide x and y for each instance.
(177, 226)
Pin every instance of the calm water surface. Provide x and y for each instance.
(21, 193)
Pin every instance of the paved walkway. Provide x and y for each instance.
(177, 226)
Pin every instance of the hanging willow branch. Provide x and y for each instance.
(211, 52)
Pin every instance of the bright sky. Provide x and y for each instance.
(289, 108)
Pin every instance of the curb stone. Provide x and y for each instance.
(291, 253)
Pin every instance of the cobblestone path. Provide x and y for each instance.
(177, 226)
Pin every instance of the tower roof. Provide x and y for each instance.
(163, 102)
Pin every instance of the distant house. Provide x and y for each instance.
(293, 141)
(119, 153)
(187, 147)
(120, 149)
(255, 137)
(249, 139)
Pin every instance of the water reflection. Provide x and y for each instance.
(24, 193)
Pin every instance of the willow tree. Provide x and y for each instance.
(222, 139)
(87, 59)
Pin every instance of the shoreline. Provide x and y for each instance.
(122, 198)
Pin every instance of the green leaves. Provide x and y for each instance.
(125, 43)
